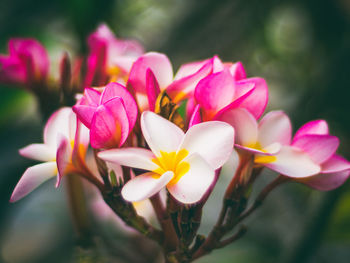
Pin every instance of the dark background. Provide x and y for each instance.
(302, 49)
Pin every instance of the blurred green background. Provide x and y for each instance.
(302, 49)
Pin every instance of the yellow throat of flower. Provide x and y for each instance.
(172, 162)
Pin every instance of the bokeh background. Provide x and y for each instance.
(302, 49)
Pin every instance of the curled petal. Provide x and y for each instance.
(32, 178)
(237, 70)
(160, 134)
(132, 157)
(160, 66)
(110, 125)
(192, 186)
(335, 164)
(152, 89)
(92, 97)
(327, 181)
(275, 127)
(196, 117)
(145, 185)
(213, 141)
(319, 147)
(85, 114)
(257, 101)
(319, 127)
(63, 158)
(40, 152)
(291, 162)
(57, 123)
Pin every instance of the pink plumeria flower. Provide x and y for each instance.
(26, 63)
(313, 138)
(183, 163)
(64, 146)
(110, 56)
(221, 92)
(110, 115)
(269, 142)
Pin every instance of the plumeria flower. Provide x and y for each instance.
(183, 163)
(313, 138)
(269, 142)
(26, 63)
(221, 92)
(110, 115)
(109, 57)
(62, 152)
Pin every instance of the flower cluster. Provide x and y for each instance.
(126, 133)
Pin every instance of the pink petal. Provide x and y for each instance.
(335, 164)
(215, 91)
(313, 127)
(40, 152)
(113, 90)
(92, 97)
(196, 117)
(257, 101)
(110, 125)
(32, 178)
(238, 72)
(63, 158)
(245, 125)
(291, 162)
(152, 89)
(274, 127)
(131, 157)
(12, 70)
(160, 134)
(160, 66)
(319, 147)
(145, 185)
(213, 141)
(85, 114)
(192, 186)
(326, 182)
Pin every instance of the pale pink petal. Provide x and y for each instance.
(273, 150)
(275, 126)
(228, 170)
(237, 70)
(335, 164)
(319, 147)
(57, 123)
(160, 134)
(152, 89)
(192, 186)
(215, 91)
(160, 66)
(110, 125)
(189, 69)
(132, 157)
(40, 152)
(32, 178)
(245, 125)
(92, 96)
(319, 127)
(63, 157)
(212, 140)
(196, 117)
(257, 101)
(145, 185)
(291, 162)
(326, 182)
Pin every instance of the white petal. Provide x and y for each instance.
(229, 168)
(160, 134)
(191, 187)
(145, 185)
(245, 125)
(40, 152)
(275, 127)
(212, 140)
(32, 178)
(131, 157)
(291, 162)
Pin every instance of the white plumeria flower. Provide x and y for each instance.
(183, 163)
(62, 142)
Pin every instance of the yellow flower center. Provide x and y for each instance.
(172, 162)
(261, 158)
